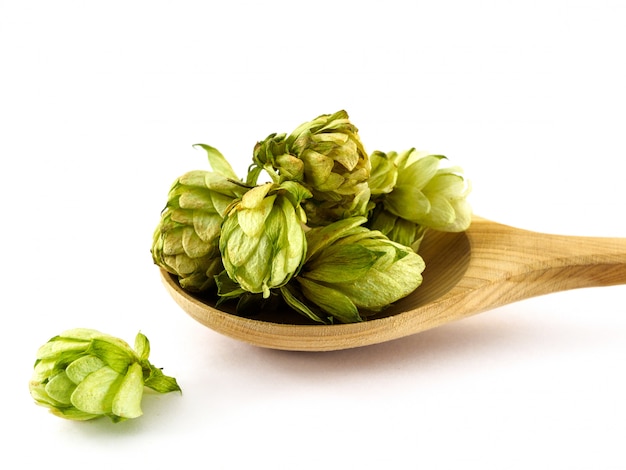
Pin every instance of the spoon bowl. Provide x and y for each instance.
(485, 267)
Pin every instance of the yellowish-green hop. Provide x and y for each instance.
(83, 374)
(262, 242)
(327, 156)
(350, 269)
(186, 240)
(425, 194)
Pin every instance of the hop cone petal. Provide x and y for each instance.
(396, 228)
(384, 173)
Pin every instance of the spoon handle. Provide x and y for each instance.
(503, 265)
(532, 263)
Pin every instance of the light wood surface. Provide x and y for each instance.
(487, 266)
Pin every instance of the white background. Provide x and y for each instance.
(100, 103)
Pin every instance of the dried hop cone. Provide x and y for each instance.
(263, 243)
(419, 193)
(327, 156)
(185, 242)
(350, 269)
(83, 374)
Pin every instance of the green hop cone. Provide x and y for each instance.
(327, 156)
(263, 243)
(424, 195)
(185, 242)
(83, 374)
(350, 269)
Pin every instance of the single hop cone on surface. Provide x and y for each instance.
(83, 374)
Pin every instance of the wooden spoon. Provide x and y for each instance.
(487, 266)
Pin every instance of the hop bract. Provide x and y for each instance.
(327, 156)
(262, 242)
(396, 228)
(383, 175)
(83, 374)
(424, 195)
(185, 242)
(350, 268)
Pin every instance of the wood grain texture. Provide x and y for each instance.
(487, 266)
